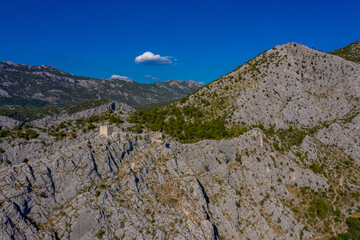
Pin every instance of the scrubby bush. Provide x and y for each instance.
(16, 128)
(4, 133)
(91, 126)
(100, 233)
(185, 123)
(30, 134)
(115, 120)
(319, 208)
(316, 168)
(353, 230)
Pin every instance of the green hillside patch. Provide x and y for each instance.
(191, 124)
(33, 113)
(353, 231)
(187, 124)
(23, 102)
(350, 52)
(25, 132)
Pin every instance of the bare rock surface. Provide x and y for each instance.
(6, 122)
(58, 118)
(131, 188)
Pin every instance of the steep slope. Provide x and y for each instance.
(351, 52)
(56, 114)
(48, 85)
(288, 85)
(63, 116)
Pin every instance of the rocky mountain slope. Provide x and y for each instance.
(285, 165)
(44, 85)
(27, 114)
(288, 85)
(58, 114)
(351, 52)
(58, 118)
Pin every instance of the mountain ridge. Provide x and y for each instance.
(52, 86)
(289, 86)
(269, 69)
(350, 52)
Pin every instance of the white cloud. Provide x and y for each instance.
(123, 78)
(119, 77)
(202, 83)
(152, 59)
(150, 76)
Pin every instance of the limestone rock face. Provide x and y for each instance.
(6, 122)
(237, 189)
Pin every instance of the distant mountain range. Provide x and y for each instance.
(24, 85)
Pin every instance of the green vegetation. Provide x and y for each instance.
(27, 134)
(43, 195)
(115, 120)
(185, 124)
(97, 193)
(191, 124)
(21, 132)
(100, 233)
(152, 106)
(288, 137)
(39, 111)
(63, 129)
(319, 208)
(91, 126)
(350, 52)
(135, 94)
(69, 128)
(324, 208)
(23, 102)
(4, 133)
(317, 169)
(353, 232)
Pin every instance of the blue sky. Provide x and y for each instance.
(195, 40)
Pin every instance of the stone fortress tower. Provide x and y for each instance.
(106, 130)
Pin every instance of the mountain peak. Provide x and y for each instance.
(286, 85)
